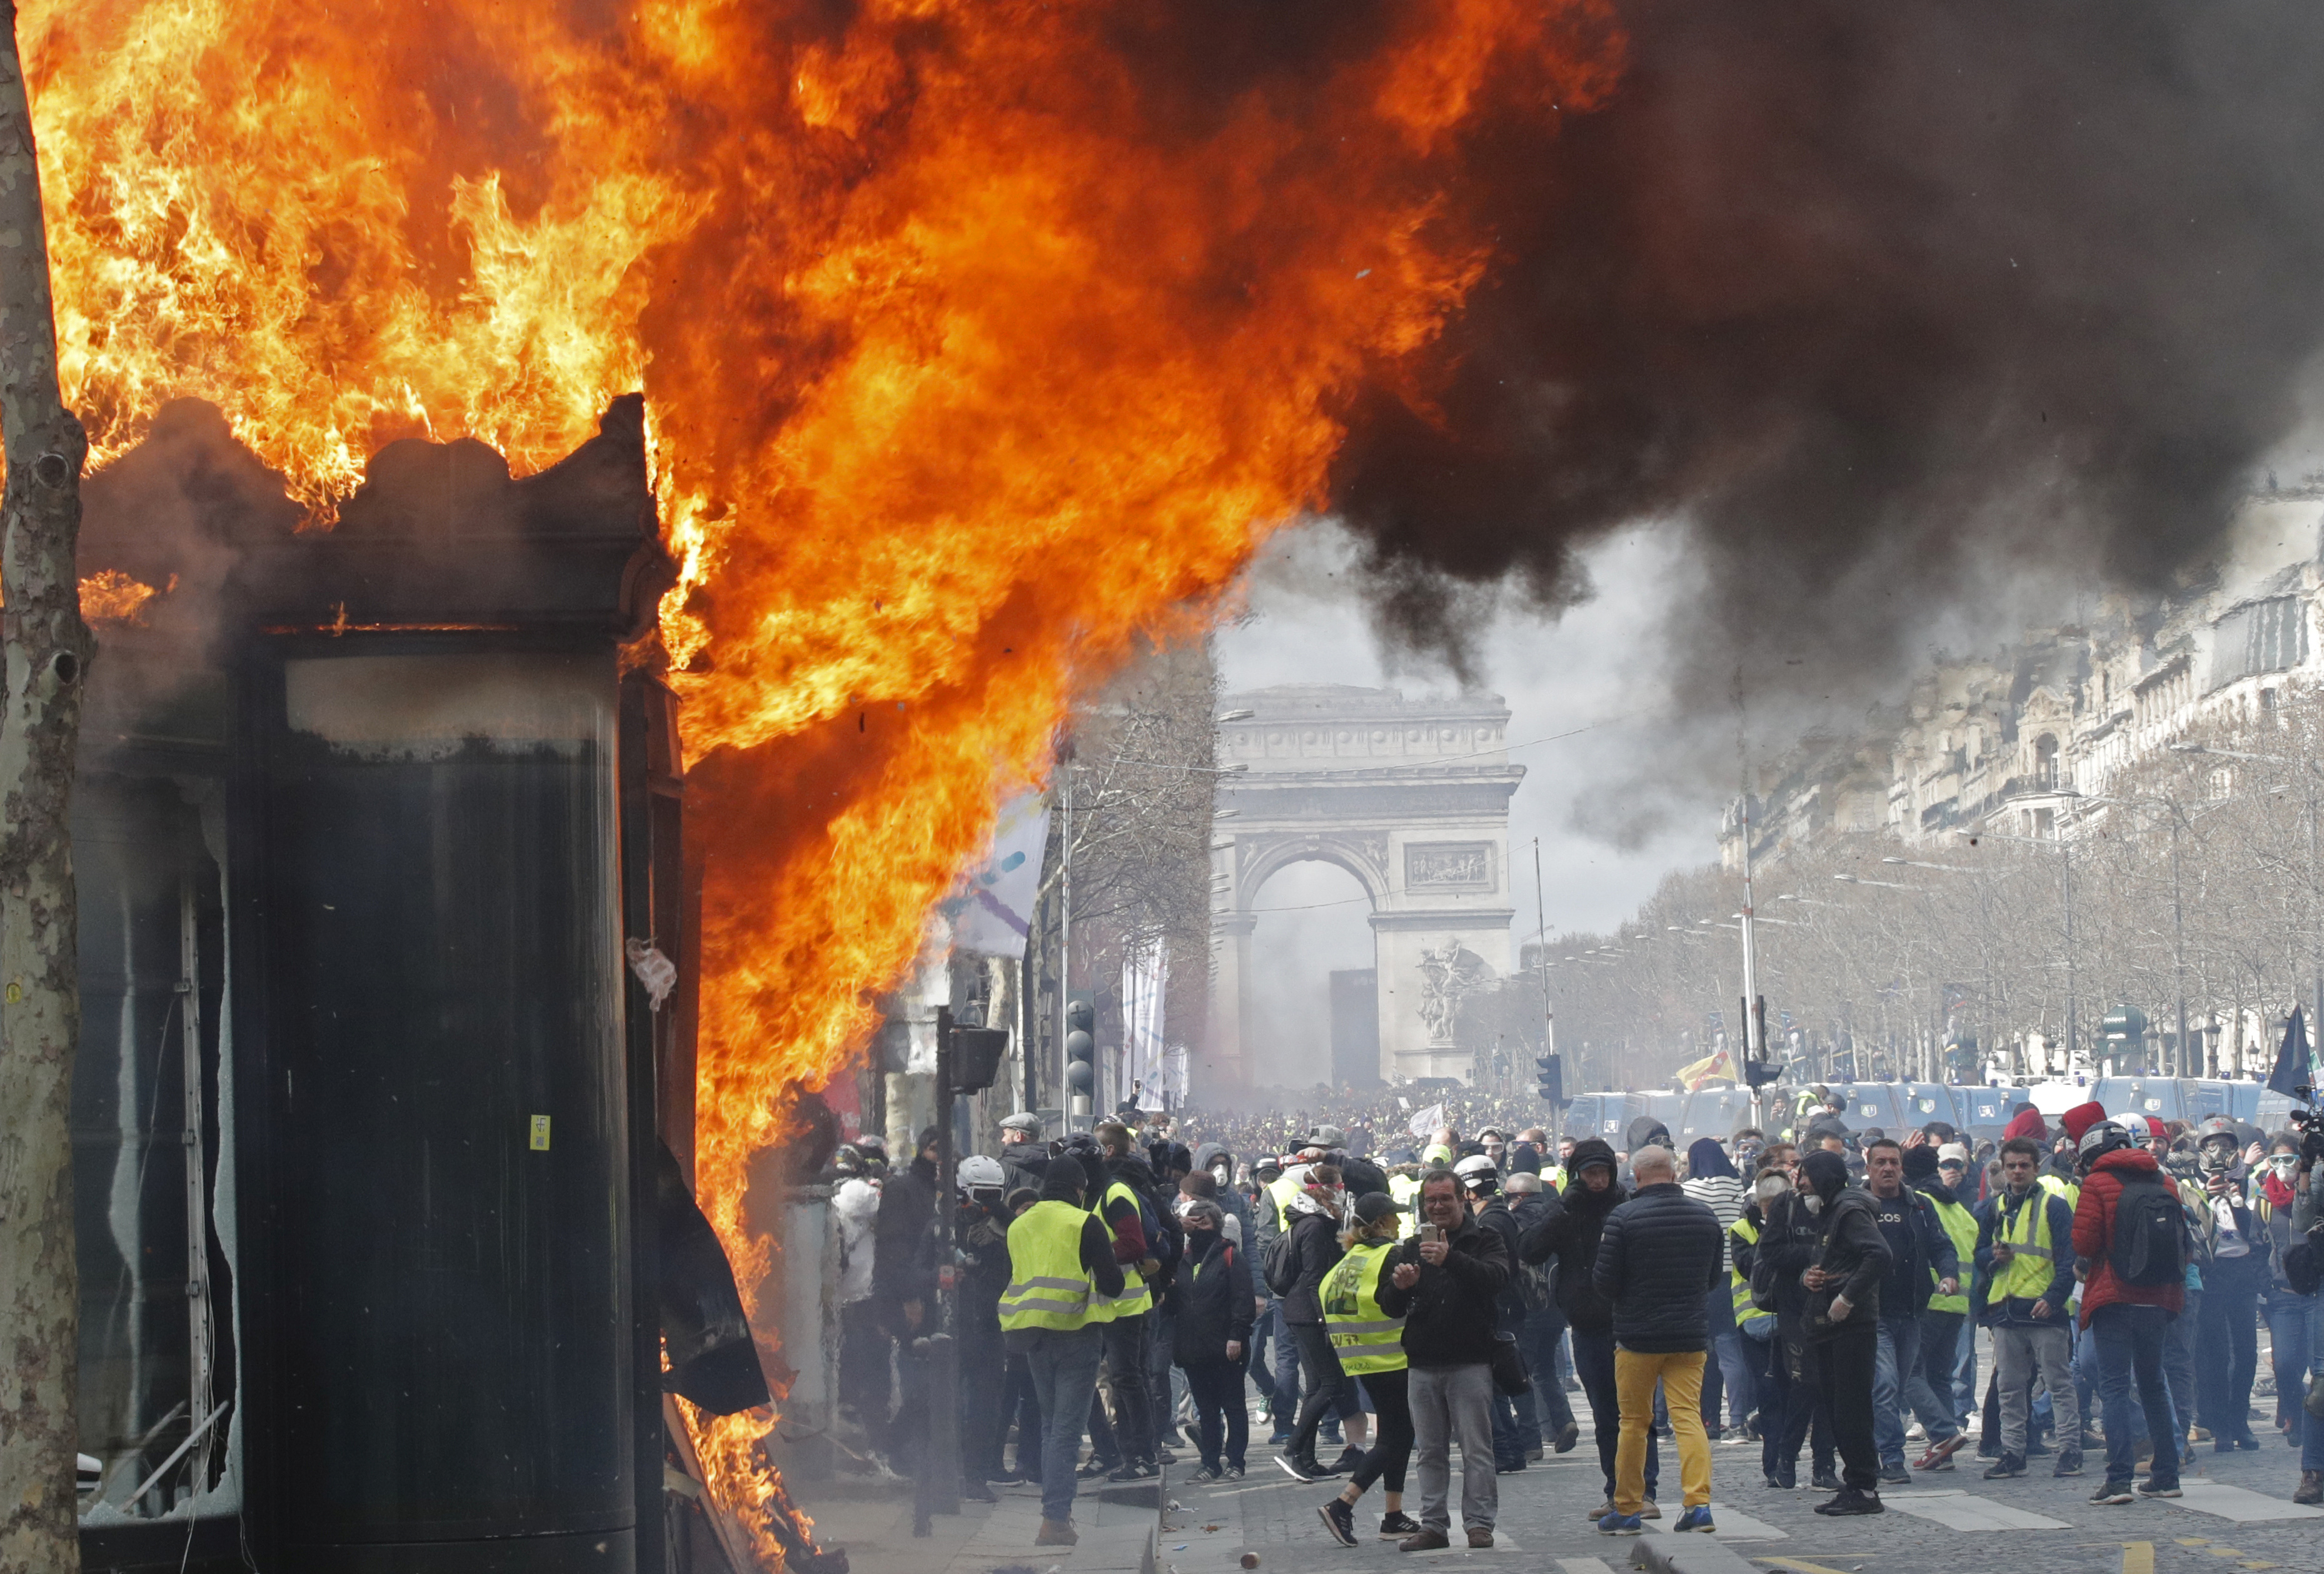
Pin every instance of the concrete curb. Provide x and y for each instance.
(1666, 1553)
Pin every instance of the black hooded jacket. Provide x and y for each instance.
(1566, 1234)
(1844, 1230)
(1451, 1315)
(1213, 1304)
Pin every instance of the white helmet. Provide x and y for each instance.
(1476, 1173)
(979, 1171)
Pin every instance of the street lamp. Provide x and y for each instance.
(1884, 884)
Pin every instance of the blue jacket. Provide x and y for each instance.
(1661, 1254)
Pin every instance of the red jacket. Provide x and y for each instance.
(2093, 1232)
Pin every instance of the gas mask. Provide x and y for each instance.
(2216, 1158)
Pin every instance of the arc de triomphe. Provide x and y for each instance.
(1412, 798)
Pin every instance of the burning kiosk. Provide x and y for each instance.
(362, 853)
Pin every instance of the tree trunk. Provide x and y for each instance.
(47, 649)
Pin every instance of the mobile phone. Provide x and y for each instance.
(1429, 1232)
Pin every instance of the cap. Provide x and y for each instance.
(1953, 1153)
(1025, 1121)
(981, 1170)
(1375, 1206)
(2078, 1120)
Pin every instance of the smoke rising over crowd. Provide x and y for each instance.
(1875, 297)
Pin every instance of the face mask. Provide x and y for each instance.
(2284, 1164)
(1814, 1203)
(1771, 1186)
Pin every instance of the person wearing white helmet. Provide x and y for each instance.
(980, 1228)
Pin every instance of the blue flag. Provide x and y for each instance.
(2291, 1077)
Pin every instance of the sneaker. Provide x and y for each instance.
(1535, 1452)
(1397, 1525)
(1205, 1476)
(1350, 1458)
(1650, 1510)
(1056, 1532)
(1939, 1454)
(1330, 1433)
(1096, 1469)
(1603, 1510)
(2069, 1463)
(1567, 1436)
(1479, 1536)
(1340, 1521)
(2007, 1467)
(2112, 1492)
(1136, 1470)
(1825, 1480)
(1233, 1472)
(1508, 1466)
(1893, 1474)
(1619, 1524)
(1280, 1436)
(1785, 1477)
(1427, 1538)
(1697, 1518)
(1916, 1433)
(2151, 1487)
(1305, 1470)
(1008, 1478)
(2311, 1487)
(1850, 1502)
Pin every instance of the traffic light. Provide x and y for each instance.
(1757, 1074)
(1081, 1047)
(1551, 1073)
(976, 1054)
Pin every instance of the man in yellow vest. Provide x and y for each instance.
(1929, 1390)
(2025, 1273)
(1060, 1271)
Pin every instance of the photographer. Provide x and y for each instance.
(2235, 1275)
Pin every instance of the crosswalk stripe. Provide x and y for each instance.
(1964, 1510)
(2239, 1504)
(1583, 1566)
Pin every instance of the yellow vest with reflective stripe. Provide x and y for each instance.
(2058, 1186)
(1961, 1225)
(1367, 1339)
(1048, 1288)
(1406, 1191)
(1135, 1298)
(1279, 1193)
(2028, 1274)
(1744, 1230)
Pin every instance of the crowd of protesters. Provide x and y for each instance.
(1127, 1301)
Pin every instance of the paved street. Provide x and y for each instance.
(2237, 1514)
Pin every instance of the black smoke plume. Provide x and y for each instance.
(1876, 297)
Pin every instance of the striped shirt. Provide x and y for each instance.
(1724, 1195)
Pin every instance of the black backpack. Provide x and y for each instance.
(2149, 1247)
(1277, 1267)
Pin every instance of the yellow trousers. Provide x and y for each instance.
(1681, 1373)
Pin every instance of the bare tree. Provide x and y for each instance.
(47, 649)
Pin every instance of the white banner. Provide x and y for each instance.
(1425, 1125)
(1147, 1061)
(991, 908)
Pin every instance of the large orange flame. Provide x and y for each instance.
(975, 337)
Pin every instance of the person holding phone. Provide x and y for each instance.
(1446, 1285)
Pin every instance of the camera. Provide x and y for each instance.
(2310, 1122)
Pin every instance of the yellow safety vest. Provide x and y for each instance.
(1961, 1225)
(1135, 1298)
(1048, 1288)
(1406, 1191)
(1279, 1193)
(1367, 1339)
(2027, 1233)
(2058, 1186)
(1553, 1178)
(1745, 1309)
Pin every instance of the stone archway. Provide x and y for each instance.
(1412, 799)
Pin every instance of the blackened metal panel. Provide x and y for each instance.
(448, 1190)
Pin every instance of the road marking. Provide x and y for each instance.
(1802, 1567)
(1730, 1524)
(1583, 1566)
(2240, 1504)
(1964, 1510)
(2139, 1557)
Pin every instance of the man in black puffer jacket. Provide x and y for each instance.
(1566, 1236)
(1657, 1261)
